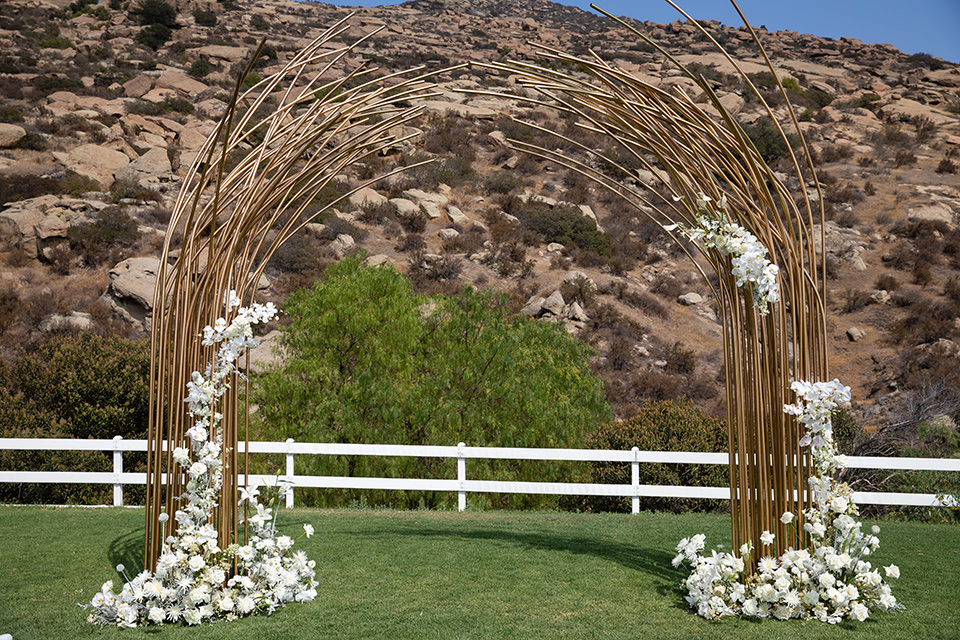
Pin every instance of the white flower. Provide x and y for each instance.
(786, 518)
(196, 563)
(246, 604)
(766, 538)
(308, 529)
(767, 564)
(893, 571)
(859, 612)
(838, 504)
(157, 615)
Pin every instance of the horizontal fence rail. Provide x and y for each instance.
(461, 485)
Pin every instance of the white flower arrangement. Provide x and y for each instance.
(748, 256)
(831, 581)
(195, 580)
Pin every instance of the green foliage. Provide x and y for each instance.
(150, 12)
(98, 242)
(204, 18)
(95, 387)
(370, 361)
(78, 6)
(768, 141)
(926, 60)
(566, 225)
(72, 387)
(48, 84)
(671, 425)
(55, 42)
(200, 68)
(154, 35)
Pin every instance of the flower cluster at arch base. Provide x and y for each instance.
(195, 580)
(834, 579)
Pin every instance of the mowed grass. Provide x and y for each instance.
(443, 575)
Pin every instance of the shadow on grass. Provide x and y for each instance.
(652, 561)
(127, 550)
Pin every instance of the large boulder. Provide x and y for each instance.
(366, 197)
(37, 225)
(138, 87)
(10, 134)
(147, 170)
(180, 82)
(94, 162)
(130, 293)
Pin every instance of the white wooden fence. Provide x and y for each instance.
(461, 485)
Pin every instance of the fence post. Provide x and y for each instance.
(117, 470)
(290, 473)
(461, 477)
(635, 481)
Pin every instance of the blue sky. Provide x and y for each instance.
(913, 26)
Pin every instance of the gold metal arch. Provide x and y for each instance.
(702, 149)
(250, 189)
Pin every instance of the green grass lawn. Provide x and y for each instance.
(425, 575)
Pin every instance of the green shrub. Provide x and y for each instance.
(94, 387)
(401, 368)
(103, 240)
(178, 105)
(78, 6)
(566, 225)
(768, 141)
(200, 68)
(73, 387)
(130, 189)
(503, 182)
(48, 84)
(151, 12)
(296, 255)
(154, 36)
(204, 18)
(675, 425)
(55, 42)
(24, 187)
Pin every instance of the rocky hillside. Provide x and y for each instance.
(103, 106)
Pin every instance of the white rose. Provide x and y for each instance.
(786, 518)
(893, 571)
(859, 612)
(196, 563)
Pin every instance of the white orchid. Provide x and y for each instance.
(749, 263)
